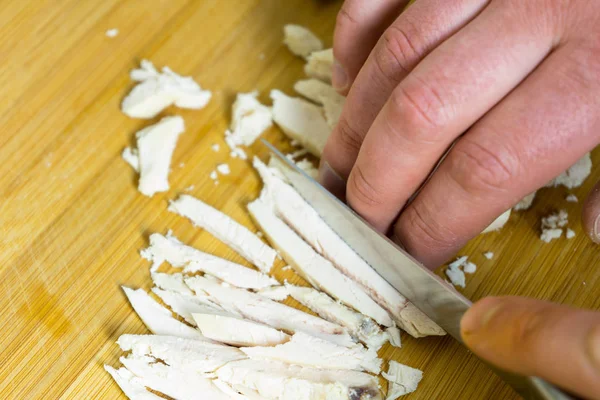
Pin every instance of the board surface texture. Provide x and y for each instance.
(72, 221)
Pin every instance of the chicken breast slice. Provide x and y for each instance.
(130, 384)
(280, 381)
(301, 121)
(185, 305)
(310, 265)
(291, 207)
(300, 40)
(237, 331)
(169, 248)
(277, 293)
(155, 147)
(249, 120)
(320, 65)
(361, 327)
(177, 383)
(260, 309)
(310, 351)
(158, 319)
(186, 354)
(236, 236)
(171, 282)
(402, 379)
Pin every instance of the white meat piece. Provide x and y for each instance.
(296, 212)
(249, 120)
(277, 293)
(489, 255)
(575, 175)
(181, 353)
(177, 254)
(177, 383)
(469, 268)
(223, 169)
(279, 381)
(171, 282)
(320, 65)
(525, 203)
(185, 305)
(308, 168)
(394, 336)
(236, 236)
(257, 308)
(402, 380)
(499, 222)
(300, 40)
(550, 234)
(456, 276)
(556, 220)
(155, 146)
(310, 351)
(315, 90)
(157, 91)
(363, 328)
(131, 385)
(571, 198)
(111, 33)
(247, 392)
(333, 106)
(238, 332)
(158, 319)
(301, 120)
(314, 268)
(570, 233)
(132, 158)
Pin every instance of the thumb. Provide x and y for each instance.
(591, 214)
(536, 338)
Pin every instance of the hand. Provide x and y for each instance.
(515, 84)
(534, 338)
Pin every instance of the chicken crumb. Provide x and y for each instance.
(570, 233)
(572, 198)
(215, 147)
(552, 226)
(189, 188)
(549, 235)
(213, 175)
(489, 255)
(223, 169)
(111, 33)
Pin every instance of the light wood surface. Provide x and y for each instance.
(72, 222)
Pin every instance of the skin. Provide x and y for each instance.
(505, 94)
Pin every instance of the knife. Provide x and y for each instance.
(430, 294)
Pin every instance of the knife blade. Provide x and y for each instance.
(428, 292)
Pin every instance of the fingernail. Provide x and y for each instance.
(478, 318)
(331, 180)
(339, 79)
(596, 232)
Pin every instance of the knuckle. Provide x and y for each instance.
(418, 226)
(420, 107)
(397, 53)
(361, 192)
(348, 137)
(479, 169)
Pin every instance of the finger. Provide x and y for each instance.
(423, 26)
(446, 93)
(545, 125)
(358, 26)
(536, 338)
(591, 214)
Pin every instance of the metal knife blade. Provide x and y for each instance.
(436, 298)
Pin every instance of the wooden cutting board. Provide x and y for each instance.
(72, 222)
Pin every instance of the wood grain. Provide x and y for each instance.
(72, 222)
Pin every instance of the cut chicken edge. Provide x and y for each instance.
(361, 327)
(313, 352)
(277, 293)
(182, 353)
(276, 380)
(171, 282)
(291, 207)
(314, 268)
(224, 228)
(238, 332)
(301, 41)
(130, 384)
(402, 379)
(185, 305)
(319, 65)
(157, 318)
(173, 382)
(260, 309)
